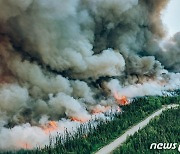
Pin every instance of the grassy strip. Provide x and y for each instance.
(163, 129)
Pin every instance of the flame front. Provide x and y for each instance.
(100, 109)
(121, 100)
(50, 126)
(81, 120)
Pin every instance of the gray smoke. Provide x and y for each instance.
(65, 58)
(170, 53)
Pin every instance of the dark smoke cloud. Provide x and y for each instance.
(169, 55)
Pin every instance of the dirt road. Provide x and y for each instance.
(119, 141)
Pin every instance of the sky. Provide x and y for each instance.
(171, 17)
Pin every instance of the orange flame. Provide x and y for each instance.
(50, 126)
(100, 109)
(81, 120)
(121, 100)
(24, 145)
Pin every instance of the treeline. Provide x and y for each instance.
(105, 131)
(163, 129)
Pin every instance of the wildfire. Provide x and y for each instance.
(50, 126)
(121, 100)
(100, 109)
(24, 145)
(81, 120)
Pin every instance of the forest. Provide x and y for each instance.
(83, 142)
(163, 129)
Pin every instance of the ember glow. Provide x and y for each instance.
(100, 109)
(121, 100)
(50, 126)
(81, 120)
(23, 145)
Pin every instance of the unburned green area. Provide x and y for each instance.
(164, 129)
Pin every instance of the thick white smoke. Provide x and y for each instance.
(65, 58)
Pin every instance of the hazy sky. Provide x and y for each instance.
(171, 17)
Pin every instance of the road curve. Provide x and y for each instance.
(119, 141)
